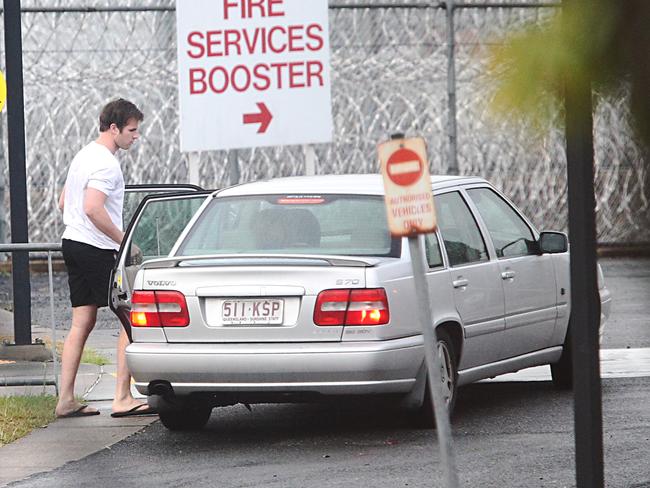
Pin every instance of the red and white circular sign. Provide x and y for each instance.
(404, 167)
(409, 200)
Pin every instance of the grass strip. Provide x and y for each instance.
(19, 415)
(89, 355)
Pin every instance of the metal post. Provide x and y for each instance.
(310, 159)
(3, 211)
(443, 426)
(585, 302)
(234, 174)
(17, 172)
(55, 362)
(451, 90)
(194, 159)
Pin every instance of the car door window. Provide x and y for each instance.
(460, 233)
(509, 232)
(432, 249)
(160, 224)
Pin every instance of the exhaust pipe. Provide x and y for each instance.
(161, 388)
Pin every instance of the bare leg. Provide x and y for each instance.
(123, 399)
(83, 321)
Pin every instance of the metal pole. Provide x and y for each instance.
(451, 89)
(55, 362)
(310, 159)
(17, 172)
(194, 159)
(443, 425)
(585, 301)
(3, 211)
(234, 174)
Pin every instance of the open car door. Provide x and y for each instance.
(133, 195)
(154, 228)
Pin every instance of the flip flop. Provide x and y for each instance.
(79, 412)
(142, 409)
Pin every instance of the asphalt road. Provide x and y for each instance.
(505, 435)
(514, 434)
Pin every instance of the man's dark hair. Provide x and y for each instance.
(118, 112)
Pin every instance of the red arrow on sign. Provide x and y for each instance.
(263, 118)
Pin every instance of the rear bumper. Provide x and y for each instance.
(342, 368)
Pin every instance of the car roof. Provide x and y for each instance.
(368, 184)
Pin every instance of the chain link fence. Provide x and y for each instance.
(389, 74)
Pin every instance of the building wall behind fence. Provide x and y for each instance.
(389, 73)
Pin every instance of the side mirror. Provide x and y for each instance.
(553, 242)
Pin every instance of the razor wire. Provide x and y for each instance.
(388, 74)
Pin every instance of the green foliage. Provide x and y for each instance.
(90, 356)
(19, 415)
(605, 42)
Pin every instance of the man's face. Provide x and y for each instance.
(125, 138)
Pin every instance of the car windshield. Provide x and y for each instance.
(292, 224)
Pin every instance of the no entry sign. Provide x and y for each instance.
(253, 73)
(404, 167)
(409, 201)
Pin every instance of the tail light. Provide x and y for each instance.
(364, 306)
(159, 309)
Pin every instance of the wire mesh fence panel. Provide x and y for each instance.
(389, 72)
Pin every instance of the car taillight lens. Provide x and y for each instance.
(366, 306)
(331, 306)
(159, 309)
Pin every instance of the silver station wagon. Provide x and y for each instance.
(292, 290)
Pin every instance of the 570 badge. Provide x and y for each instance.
(347, 282)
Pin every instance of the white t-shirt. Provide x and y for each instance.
(93, 167)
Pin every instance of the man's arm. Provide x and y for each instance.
(94, 209)
(62, 199)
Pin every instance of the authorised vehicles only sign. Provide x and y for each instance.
(409, 201)
(253, 73)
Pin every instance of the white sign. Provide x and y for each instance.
(253, 73)
(409, 200)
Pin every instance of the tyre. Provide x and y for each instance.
(562, 371)
(185, 418)
(424, 417)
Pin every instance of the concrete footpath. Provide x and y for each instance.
(64, 440)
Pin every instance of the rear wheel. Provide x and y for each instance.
(562, 371)
(183, 416)
(449, 375)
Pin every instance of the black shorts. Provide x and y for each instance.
(89, 272)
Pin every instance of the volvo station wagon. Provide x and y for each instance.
(293, 290)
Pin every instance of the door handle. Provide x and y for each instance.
(460, 283)
(508, 275)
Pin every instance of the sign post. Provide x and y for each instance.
(411, 212)
(17, 171)
(253, 73)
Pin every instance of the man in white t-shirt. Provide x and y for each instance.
(92, 201)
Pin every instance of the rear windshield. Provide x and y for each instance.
(292, 224)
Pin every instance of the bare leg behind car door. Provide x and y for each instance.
(124, 401)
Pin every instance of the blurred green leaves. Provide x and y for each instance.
(605, 41)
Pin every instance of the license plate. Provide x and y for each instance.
(252, 312)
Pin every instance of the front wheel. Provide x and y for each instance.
(425, 417)
(562, 371)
